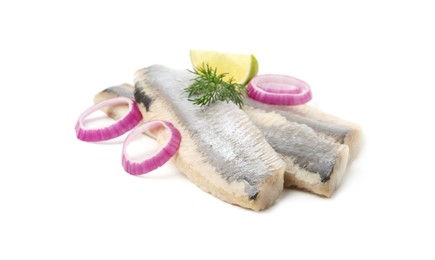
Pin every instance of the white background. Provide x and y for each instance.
(371, 62)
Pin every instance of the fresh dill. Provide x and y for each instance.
(208, 87)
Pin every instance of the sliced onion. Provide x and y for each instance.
(160, 158)
(279, 90)
(130, 120)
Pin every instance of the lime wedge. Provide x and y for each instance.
(240, 67)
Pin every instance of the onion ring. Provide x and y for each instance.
(160, 158)
(130, 120)
(279, 90)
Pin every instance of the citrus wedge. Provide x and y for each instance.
(240, 67)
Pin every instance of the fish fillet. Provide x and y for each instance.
(325, 125)
(312, 162)
(222, 151)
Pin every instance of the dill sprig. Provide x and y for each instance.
(208, 87)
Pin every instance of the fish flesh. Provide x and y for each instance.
(325, 125)
(221, 151)
(313, 163)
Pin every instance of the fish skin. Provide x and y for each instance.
(222, 151)
(325, 125)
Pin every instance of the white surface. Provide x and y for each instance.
(371, 62)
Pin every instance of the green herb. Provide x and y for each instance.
(209, 87)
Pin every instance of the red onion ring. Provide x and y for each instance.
(123, 125)
(160, 158)
(279, 90)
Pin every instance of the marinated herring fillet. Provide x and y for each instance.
(325, 125)
(312, 163)
(221, 151)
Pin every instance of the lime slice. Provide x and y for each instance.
(240, 67)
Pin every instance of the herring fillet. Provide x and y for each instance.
(325, 125)
(221, 150)
(312, 162)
